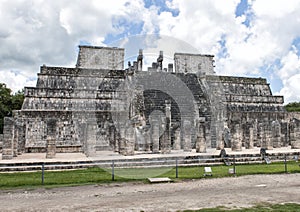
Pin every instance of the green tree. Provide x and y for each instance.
(9, 102)
(293, 107)
(17, 100)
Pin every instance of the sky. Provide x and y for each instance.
(254, 38)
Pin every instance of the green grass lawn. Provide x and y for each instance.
(98, 175)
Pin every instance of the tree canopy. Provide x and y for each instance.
(9, 102)
(293, 107)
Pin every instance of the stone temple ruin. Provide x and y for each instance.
(101, 106)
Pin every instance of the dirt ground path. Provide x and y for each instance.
(230, 192)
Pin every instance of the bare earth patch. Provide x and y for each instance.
(243, 191)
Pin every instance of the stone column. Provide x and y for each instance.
(251, 138)
(8, 137)
(15, 140)
(236, 142)
(295, 134)
(262, 135)
(129, 140)
(165, 146)
(51, 138)
(147, 140)
(140, 144)
(177, 140)
(268, 142)
(82, 136)
(21, 140)
(276, 133)
(1, 142)
(90, 143)
(201, 141)
(220, 140)
(166, 136)
(155, 136)
(255, 133)
(284, 134)
(168, 125)
(187, 136)
(120, 137)
(226, 136)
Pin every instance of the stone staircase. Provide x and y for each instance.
(166, 161)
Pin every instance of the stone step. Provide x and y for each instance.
(153, 162)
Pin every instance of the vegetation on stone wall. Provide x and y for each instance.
(293, 107)
(9, 102)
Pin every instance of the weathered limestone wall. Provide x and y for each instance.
(100, 58)
(291, 115)
(75, 96)
(194, 63)
(251, 109)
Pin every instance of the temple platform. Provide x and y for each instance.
(34, 161)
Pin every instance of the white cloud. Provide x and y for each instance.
(17, 80)
(290, 75)
(276, 8)
(248, 50)
(34, 32)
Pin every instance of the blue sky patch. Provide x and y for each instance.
(269, 71)
(126, 29)
(162, 7)
(243, 8)
(296, 44)
(223, 51)
(84, 42)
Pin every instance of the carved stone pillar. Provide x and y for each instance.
(226, 136)
(276, 134)
(220, 140)
(255, 133)
(147, 140)
(8, 137)
(166, 135)
(21, 139)
(90, 143)
(51, 138)
(127, 144)
(201, 141)
(251, 138)
(268, 142)
(15, 141)
(295, 134)
(155, 136)
(236, 142)
(177, 143)
(187, 136)
(262, 135)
